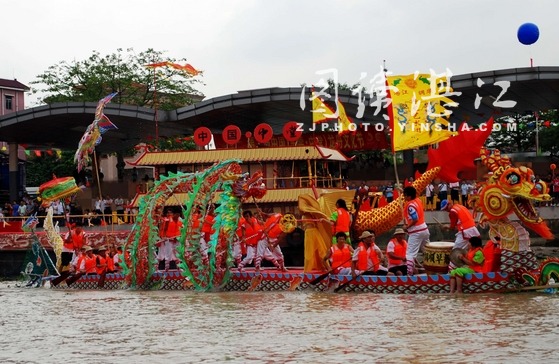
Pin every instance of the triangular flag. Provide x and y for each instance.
(344, 122)
(320, 111)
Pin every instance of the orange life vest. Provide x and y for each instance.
(252, 231)
(465, 218)
(173, 229)
(478, 268)
(399, 250)
(90, 264)
(195, 220)
(367, 256)
(273, 226)
(341, 258)
(207, 226)
(101, 264)
(343, 222)
(418, 207)
(492, 254)
(110, 263)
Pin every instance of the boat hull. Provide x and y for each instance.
(272, 280)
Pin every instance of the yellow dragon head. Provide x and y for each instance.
(511, 189)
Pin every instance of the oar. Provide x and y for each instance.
(531, 288)
(74, 278)
(339, 288)
(101, 282)
(55, 282)
(322, 276)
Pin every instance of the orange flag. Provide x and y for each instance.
(186, 68)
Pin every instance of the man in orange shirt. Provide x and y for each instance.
(250, 234)
(415, 226)
(462, 220)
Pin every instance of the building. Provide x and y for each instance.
(12, 99)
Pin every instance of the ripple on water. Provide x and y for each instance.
(44, 326)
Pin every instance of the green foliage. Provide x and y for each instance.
(41, 169)
(123, 72)
(522, 138)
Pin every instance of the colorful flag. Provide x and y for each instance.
(186, 68)
(417, 111)
(105, 125)
(320, 111)
(343, 121)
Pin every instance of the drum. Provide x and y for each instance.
(437, 256)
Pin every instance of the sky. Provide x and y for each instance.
(251, 44)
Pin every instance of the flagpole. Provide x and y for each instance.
(155, 104)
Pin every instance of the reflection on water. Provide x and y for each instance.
(52, 326)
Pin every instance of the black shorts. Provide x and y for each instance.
(399, 268)
(66, 258)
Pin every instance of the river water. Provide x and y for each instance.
(53, 326)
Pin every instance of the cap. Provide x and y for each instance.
(102, 247)
(366, 234)
(444, 205)
(399, 231)
(87, 248)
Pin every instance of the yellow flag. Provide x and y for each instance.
(343, 121)
(320, 111)
(418, 115)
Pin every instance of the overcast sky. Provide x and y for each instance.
(253, 44)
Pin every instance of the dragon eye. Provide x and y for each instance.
(539, 187)
(513, 179)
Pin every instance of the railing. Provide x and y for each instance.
(111, 220)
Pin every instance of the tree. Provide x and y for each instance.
(123, 72)
(549, 134)
(513, 134)
(41, 169)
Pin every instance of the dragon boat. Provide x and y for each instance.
(519, 268)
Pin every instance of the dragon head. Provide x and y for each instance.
(250, 186)
(512, 189)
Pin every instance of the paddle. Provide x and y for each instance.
(61, 278)
(531, 288)
(101, 282)
(322, 276)
(339, 288)
(74, 278)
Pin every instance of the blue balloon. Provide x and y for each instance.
(528, 33)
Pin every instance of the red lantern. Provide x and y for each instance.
(263, 133)
(552, 166)
(291, 131)
(231, 134)
(547, 123)
(202, 136)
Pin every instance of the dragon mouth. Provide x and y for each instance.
(525, 209)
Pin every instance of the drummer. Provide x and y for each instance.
(462, 220)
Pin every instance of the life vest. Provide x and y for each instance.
(252, 231)
(343, 222)
(399, 250)
(465, 218)
(101, 264)
(418, 207)
(173, 229)
(110, 263)
(367, 259)
(195, 224)
(90, 264)
(341, 258)
(207, 226)
(272, 224)
(492, 254)
(478, 268)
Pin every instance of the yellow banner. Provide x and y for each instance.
(419, 110)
